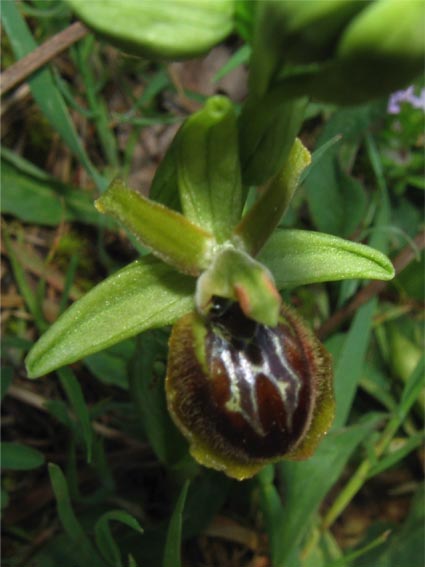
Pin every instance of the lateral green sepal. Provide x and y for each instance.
(300, 257)
(145, 294)
(169, 235)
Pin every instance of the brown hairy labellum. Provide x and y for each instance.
(245, 394)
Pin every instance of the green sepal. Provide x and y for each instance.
(168, 29)
(236, 276)
(267, 130)
(209, 169)
(264, 216)
(145, 294)
(169, 235)
(299, 257)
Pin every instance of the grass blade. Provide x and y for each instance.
(44, 89)
(76, 398)
(172, 553)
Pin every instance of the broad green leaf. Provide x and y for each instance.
(104, 538)
(263, 217)
(298, 257)
(141, 296)
(44, 89)
(69, 520)
(45, 201)
(169, 29)
(76, 398)
(19, 457)
(169, 235)
(303, 495)
(208, 168)
(172, 551)
(148, 392)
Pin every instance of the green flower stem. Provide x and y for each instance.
(260, 222)
(169, 235)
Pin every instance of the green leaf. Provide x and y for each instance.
(45, 201)
(148, 392)
(19, 457)
(299, 257)
(44, 89)
(110, 366)
(263, 217)
(170, 29)
(208, 168)
(172, 552)
(303, 495)
(69, 520)
(76, 398)
(272, 509)
(169, 235)
(104, 538)
(141, 296)
(350, 363)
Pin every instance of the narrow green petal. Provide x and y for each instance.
(261, 220)
(169, 235)
(299, 257)
(143, 295)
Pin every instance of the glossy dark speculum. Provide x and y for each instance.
(245, 394)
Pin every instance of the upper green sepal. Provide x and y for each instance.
(167, 29)
(169, 235)
(300, 257)
(143, 295)
(234, 275)
(208, 168)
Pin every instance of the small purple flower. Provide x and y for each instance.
(407, 96)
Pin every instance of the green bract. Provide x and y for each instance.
(150, 293)
(163, 29)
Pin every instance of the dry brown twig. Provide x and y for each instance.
(41, 55)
